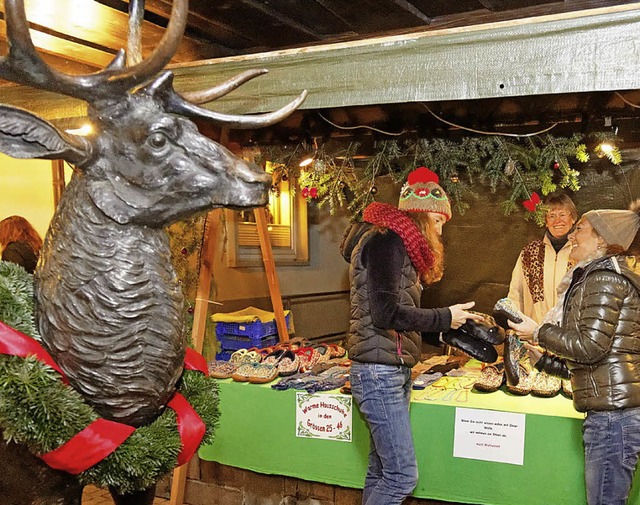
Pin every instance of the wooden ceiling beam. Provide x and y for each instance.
(594, 50)
(591, 50)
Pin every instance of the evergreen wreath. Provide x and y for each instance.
(38, 410)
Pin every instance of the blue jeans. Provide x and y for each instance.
(382, 393)
(611, 448)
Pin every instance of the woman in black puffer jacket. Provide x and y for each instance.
(594, 337)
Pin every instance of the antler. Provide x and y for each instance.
(23, 64)
(187, 103)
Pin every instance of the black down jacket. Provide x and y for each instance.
(385, 298)
(600, 335)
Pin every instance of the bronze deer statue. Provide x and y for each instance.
(108, 304)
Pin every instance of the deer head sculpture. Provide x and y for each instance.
(108, 304)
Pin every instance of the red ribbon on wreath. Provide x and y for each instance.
(532, 202)
(102, 437)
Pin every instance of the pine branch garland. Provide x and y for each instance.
(539, 164)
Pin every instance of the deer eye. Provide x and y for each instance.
(157, 140)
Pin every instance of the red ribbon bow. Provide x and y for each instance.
(532, 202)
(102, 437)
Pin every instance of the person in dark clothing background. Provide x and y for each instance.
(391, 255)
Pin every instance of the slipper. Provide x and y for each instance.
(505, 310)
(478, 349)
(491, 378)
(513, 351)
(221, 369)
(263, 373)
(524, 384)
(273, 357)
(324, 353)
(546, 385)
(243, 372)
(567, 388)
(487, 330)
(425, 379)
(337, 351)
(288, 364)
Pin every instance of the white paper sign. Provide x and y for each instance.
(489, 435)
(323, 416)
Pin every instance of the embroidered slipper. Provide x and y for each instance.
(546, 385)
(567, 388)
(324, 353)
(221, 369)
(273, 357)
(505, 310)
(337, 351)
(243, 372)
(513, 351)
(308, 357)
(263, 373)
(491, 378)
(288, 364)
(245, 356)
(524, 384)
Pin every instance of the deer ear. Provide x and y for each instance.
(24, 135)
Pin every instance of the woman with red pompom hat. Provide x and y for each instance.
(392, 254)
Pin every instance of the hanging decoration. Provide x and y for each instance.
(345, 178)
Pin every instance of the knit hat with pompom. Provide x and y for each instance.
(616, 227)
(422, 193)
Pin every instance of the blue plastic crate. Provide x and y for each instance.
(256, 329)
(234, 342)
(224, 355)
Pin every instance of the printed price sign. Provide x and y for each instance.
(323, 416)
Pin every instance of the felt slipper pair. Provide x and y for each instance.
(476, 338)
(491, 378)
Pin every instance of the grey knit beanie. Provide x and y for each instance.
(616, 227)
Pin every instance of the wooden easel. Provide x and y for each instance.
(211, 230)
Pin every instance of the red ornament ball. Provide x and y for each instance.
(313, 192)
(184, 251)
(556, 165)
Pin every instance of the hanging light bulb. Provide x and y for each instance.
(307, 161)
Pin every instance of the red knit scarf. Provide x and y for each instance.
(388, 216)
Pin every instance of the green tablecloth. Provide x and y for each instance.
(257, 432)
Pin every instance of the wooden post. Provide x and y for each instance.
(57, 170)
(179, 482)
(270, 270)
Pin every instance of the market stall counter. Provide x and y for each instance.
(257, 432)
